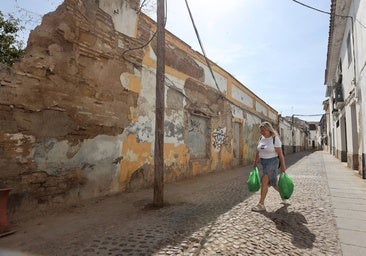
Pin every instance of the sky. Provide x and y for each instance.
(277, 49)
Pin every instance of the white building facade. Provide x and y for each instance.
(345, 81)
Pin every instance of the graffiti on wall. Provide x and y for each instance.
(219, 137)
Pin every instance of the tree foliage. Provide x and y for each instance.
(10, 49)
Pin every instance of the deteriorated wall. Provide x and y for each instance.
(63, 108)
(78, 111)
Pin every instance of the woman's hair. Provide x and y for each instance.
(269, 127)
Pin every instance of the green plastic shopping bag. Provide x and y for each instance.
(254, 181)
(285, 185)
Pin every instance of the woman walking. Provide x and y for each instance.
(269, 153)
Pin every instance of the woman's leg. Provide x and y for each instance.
(264, 188)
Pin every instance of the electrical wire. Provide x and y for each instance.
(308, 115)
(141, 6)
(149, 41)
(172, 85)
(135, 49)
(209, 64)
(352, 27)
(313, 8)
(202, 49)
(329, 13)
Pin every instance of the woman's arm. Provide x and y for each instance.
(282, 158)
(256, 158)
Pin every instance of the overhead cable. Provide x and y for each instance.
(313, 8)
(201, 45)
(149, 41)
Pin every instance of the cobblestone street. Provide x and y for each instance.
(207, 215)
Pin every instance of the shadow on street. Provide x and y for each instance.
(186, 218)
(293, 224)
(191, 205)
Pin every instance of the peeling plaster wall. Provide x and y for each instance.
(249, 133)
(241, 96)
(123, 14)
(260, 108)
(78, 111)
(64, 107)
(209, 80)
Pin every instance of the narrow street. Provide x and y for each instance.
(207, 215)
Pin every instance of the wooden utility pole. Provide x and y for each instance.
(160, 108)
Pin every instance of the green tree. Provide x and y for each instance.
(10, 49)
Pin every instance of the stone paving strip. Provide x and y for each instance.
(217, 220)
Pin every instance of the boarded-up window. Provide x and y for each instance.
(198, 136)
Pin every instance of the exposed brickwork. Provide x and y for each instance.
(77, 112)
(66, 88)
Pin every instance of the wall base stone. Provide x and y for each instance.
(352, 161)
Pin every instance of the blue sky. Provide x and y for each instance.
(29, 11)
(277, 49)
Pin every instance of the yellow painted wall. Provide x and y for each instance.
(135, 154)
(176, 155)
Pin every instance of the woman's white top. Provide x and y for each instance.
(266, 148)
